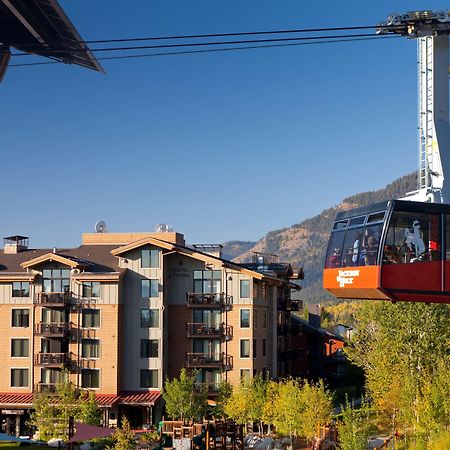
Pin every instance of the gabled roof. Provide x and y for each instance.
(140, 243)
(49, 257)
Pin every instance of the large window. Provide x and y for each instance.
(149, 378)
(20, 318)
(412, 237)
(90, 378)
(244, 375)
(208, 281)
(90, 348)
(245, 348)
(53, 316)
(21, 289)
(150, 258)
(244, 291)
(20, 348)
(245, 318)
(149, 348)
(56, 280)
(264, 347)
(149, 288)
(90, 318)
(19, 377)
(91, 289)
(149, 318)
(53, 376)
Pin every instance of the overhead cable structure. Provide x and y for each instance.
(41, 27)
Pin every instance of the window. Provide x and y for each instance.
(254, 348)
(90, 318)
(21, 289)
(91, 289)
(19, 377)
(255, 319)
(245, 348)
(149, 348)
(53, 376)
(334, 252)
(244, 375)
(20, 318)
(49, 315)
(90, 378)
(149, 318)
(244, 289)
(20, 348)
(208, 281)
(264, 347)
(150, 258)
(56, 280)
(412, 238)
(149, 288)
(245, 318)
(264, 318)
(90, 348)
(149, 378)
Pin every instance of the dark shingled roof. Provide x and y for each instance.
(98, 255)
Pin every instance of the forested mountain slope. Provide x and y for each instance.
(305, 243)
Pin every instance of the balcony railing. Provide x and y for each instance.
(51, 359)
(45, 387)
(52, 298)
(206, 360)
(51, 329)
(211, 331)
(210, 388)
(208, 300)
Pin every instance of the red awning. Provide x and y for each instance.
(7, 399)
(86, 432)
(139, 398)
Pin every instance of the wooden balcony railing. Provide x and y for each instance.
(52, 298)
(51, 359)
(208, 300)
(205, 360)
(45, 387)
(211, 331)
(51, 329)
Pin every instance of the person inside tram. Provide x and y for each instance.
(356, 246)
(370, 246)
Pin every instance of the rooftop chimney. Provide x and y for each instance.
(15, 244)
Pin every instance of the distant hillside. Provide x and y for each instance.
(305, 243)
(233, 249)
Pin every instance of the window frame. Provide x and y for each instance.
(22, 347)
(242, 290)
(241, 353)
(90, 371)
(149, 371)
(151, 318)
(89, 286)
(84, 347)
(83, 315)
(150, 281)
(146, 348)
(20, 318)
(241, 321)
(22, 294)
(150, 259)
(23, 370)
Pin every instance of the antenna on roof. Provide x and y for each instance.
(100, 227)
(163, 228)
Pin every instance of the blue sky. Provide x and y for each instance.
(221, 146)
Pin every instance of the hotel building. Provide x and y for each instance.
(124, 311)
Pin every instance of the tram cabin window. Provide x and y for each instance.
(334, 252)
(447, 237)
(412, 237)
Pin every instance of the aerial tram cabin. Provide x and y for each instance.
(396, 250)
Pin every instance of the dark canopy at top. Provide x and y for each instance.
(42, 27)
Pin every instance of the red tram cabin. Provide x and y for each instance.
(397, 250)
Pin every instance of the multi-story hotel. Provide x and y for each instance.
(124, 311)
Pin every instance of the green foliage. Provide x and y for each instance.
(402, 349)
(225, 392)
(52, 412)
(353, 427)
(123, 437)
(183, 400)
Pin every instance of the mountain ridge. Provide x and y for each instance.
(305, 243)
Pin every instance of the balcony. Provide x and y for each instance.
(287, 304)
(52, 299)
(209, 300)
(55, 360)
(209, 360)
(55, 330)
(49, 388)
(211, 331)
(209, 388)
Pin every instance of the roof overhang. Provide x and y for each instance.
(99, 276)
(140, 243)
(52, 257)
(42, 27)
(6, 277)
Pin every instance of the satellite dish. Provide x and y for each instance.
(100, 227)
(163, 228)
